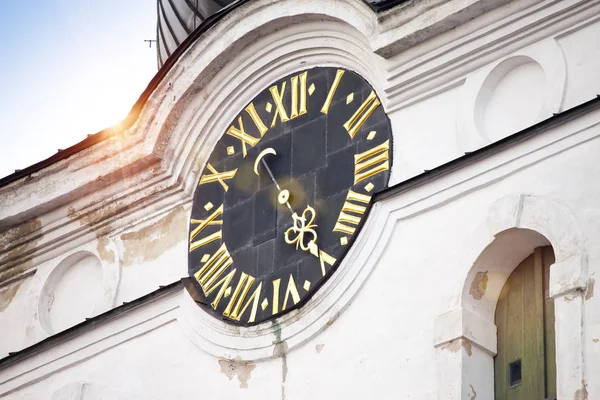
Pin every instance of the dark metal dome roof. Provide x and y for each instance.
(178, 18)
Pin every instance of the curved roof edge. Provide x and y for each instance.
(131, 118)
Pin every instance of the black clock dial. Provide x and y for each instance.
(284, 193)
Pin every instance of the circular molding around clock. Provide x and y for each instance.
(280, 335)
(284, 193)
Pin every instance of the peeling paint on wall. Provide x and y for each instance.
(90, 219)
(479, 285)
(105, 254)
(581, 394)
(473, 394)
(455, 345)
(589, 293)
(152, 241)
(570, 297)
(241, 369)
(11, 235)
(7, 295)
(319, 348)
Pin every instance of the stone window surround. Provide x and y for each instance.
(465, 338)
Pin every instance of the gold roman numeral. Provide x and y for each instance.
(291, 290)
(262, 128)
(217, 177)
(236, 307)
(349, 207)
(275, 302)
(202, 224)
(294, 83)
(360, 116)
(371, 162)
(241, 134)
(299, 96)
(325, 258)
(332, 90)
(212, 269)
(278, 99)
(223, 284)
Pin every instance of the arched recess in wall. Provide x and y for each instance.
(305, 36)
(80, 284)
(511, 94)
(516, 225)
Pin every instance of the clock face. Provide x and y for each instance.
(284, 193)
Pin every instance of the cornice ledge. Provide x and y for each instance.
(417, 21)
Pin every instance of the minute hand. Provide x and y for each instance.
(283, 194)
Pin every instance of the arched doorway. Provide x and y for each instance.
(525, 365)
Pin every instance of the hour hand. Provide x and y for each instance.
(304, 225)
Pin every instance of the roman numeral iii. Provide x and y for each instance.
(371, 162)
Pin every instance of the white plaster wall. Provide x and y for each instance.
(580, 47)
(384, 341)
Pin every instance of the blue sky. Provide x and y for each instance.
(69, 68)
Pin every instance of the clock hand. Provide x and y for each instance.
(303, 224)
(284, 194)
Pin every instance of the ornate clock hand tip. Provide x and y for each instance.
(268, 150)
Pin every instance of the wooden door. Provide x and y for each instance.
(525, 366)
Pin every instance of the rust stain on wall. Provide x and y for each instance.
(91, 218)
(479, 285)
(152, 241)
(104, 252)
(589, 293)
(7, 295)
(241, 369)
(455, 346)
